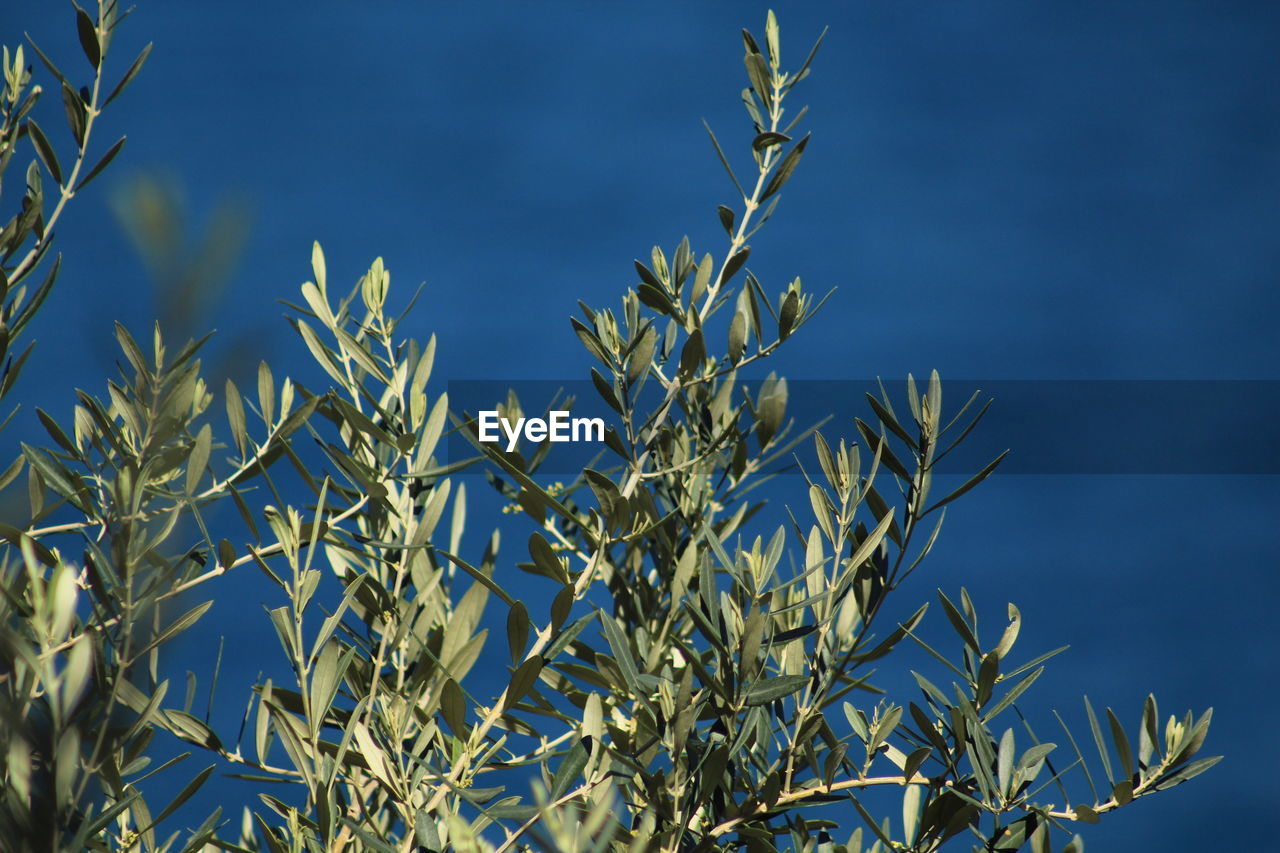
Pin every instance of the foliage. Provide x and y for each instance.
(695, 685)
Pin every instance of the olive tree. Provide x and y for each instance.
(699, 681)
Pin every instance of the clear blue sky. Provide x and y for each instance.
(1001, 190)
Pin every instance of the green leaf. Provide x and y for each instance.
(187, 792)
(771, 36)
(590, 340)
(235, 417)
(1010, 635)
(1122, 743)
(510, 810)
(561, 606)
(1148, 737)
(1085, 814)
(56, 433)
(988, 672)
(90, 828)
(787, 314)
(813, 51)
(319, 352)
(545, 558)
(102, 163)
(129, 75)
(356, 350)
(724, 161)
(370, 750)
(75, 677)
(857, 722)
(737, 337)
(1035, 755)
(48, 63)
(266, 393)
(11, 473)
(453, 707)
(44, 150)
(914, 761)
(886, 417)
(872, 542)
(885, 727)
(702, 278)
(1015, 835)
(768, 689)
(785, 168)
(771, 406)
(969, 484)
(570, 768)
(517, 630)
(1190, 771)
(1004, 762)
(758, 74)
(621, 652)
(19, 538)
(911, 799)
(641, 357)
(1012, 695)
(726, 219)
(693, 354)
(957, 621)
(605, 390)
(657, 299)
(64, 482)
(199, 458)
(880, 446)
(887, 644)
(87, 31)
(768, 139)
(191, 729)
(176, 627)
(734, 264)
(326, 677)
(871, 822)
(522, 681)
(658, 279)
(1098, 741)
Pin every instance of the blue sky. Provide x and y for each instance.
(1000, 190)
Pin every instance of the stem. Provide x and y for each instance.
(67, 191)
(805, 793)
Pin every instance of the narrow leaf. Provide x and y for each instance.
(129, 75)
(102, 163)
(45, 150)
